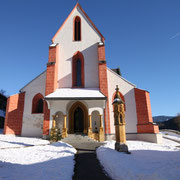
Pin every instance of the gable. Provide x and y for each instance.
(38, 83)
(87, 24)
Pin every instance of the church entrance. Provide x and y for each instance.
(78, 118)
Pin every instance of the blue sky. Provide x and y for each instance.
(142, 38)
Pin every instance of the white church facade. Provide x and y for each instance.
(77, 90)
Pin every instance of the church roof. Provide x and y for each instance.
(78, 5)
(72, 93)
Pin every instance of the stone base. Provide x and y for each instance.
(90, 133)
(121, 147)
(109, 137)
(101, 135)
(155, 138)
(64, 133)
(149, 137)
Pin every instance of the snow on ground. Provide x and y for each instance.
(11, 141)
(146, 161)
(52, 161)
(171, 135)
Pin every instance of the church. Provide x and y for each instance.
(77, 90)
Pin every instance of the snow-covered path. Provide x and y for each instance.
(45, 162)
(147, 161)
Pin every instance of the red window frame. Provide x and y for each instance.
(35, 101)
(76, 34)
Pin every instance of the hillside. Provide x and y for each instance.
(161, 118)
(173, 123)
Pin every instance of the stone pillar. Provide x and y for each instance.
(53, 121)
(90, 126)
(64, 130)
(119, 122)
(55, 132)
(101, 130)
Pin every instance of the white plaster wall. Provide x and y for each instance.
(127, 89)
(87, 46)
(33, 123)
(65, 105)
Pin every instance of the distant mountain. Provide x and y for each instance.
(173, 123)
(161, 118)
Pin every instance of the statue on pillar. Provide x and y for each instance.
(119, 122)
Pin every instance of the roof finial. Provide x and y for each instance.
(117, 89)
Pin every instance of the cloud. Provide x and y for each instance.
(176, 35)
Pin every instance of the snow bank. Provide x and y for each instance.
(11, 141)
(54, 161)
(171, 135)
(147, 161)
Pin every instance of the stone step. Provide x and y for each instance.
(81, 141)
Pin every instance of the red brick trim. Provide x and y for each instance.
(51, 83)
(46, 119)
(77, 55)
(52, 70)
(101, 53)
(103, 85)
(35, 101)
(147, 128)
(143, 110)
(14, 114)
(75, 29)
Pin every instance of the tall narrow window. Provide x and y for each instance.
(77, 29)
(78, 70)
(78, 73)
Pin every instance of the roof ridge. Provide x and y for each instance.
(121, 77)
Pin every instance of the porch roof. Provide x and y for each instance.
(76, 94)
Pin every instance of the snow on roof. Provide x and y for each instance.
(72, 93)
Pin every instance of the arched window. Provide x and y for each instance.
(37, 103)
(78, 70)
(77, 28)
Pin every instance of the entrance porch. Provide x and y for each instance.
(81, 114)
